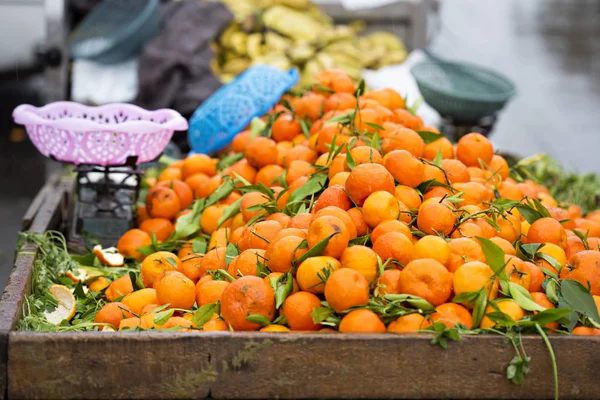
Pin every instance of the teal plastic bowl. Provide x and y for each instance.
(464, 92)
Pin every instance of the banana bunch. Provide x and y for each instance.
(296, 33)
(380, 49)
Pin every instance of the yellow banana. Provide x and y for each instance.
(276, 42)
(236, 66)
(301, 52)
(292, 23)
(273, 59)
(238, 42)
(254, 47)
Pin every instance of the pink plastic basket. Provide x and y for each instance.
(104, 135)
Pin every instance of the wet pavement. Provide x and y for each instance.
(550, 48)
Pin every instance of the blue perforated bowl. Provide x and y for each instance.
(231, 108)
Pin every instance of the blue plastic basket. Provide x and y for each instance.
(231, 108)
(116, 30)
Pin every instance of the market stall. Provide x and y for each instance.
(322, 240)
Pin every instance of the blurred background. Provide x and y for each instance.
(550, 49)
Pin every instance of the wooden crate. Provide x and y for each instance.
(256, 365)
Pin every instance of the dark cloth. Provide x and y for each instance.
(174, 68)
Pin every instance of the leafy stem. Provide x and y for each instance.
(552, 357)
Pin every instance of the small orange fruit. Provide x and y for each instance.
(361, 321)
(177, 290)
(298, 308)
(246, 296)
(428, 279)
(137, 300)
(508, 307)
(112, 313)
(346, 288)
(210, 292)
(395, 246)
(131, 241)
(408, 323)
(361, 259)
(332, 228)
(312, 269)
(380, 206)
(156, 264)
(451, 314)
(474, 148)
(162, 202)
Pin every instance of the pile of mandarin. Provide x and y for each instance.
(344, 212)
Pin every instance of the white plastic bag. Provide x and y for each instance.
(95, 83)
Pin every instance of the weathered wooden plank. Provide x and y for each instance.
(44, 213)
(55, 206)
(254, 365)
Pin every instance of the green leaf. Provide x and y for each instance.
(231, 252)
(323, 89)
(530, 214)
(316, 250)
(501, 319)
(86, 259)
(320, 314)
(162, 317)
(350, 160)
(258, 319)
(342, 119)
(480, 306)
(517, 369)
(437, 160)
(147, 250)
(229, 160)
(541, 209)
(199, 245)
(530, 250)
(257, 126)
(222, 275)
(284, 286)
(375, 142)
(494, 255)
(430, 137)
(136, 281)
(305, 128)
(205, 313)
(551, 315)
(583, 238)
(360, 89)
(415, 301)
(223, 191)
(551, 260)
(171, 261)
(375, 126)
(189, 224)
(360, 240)
(160, 308)
(576, 296)
(231, 211)
(314, 184)
(415, 107)
(466, 297)
(552, 290)
(78, 292)
(504, 204)
(522, 297)
(424, 186)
